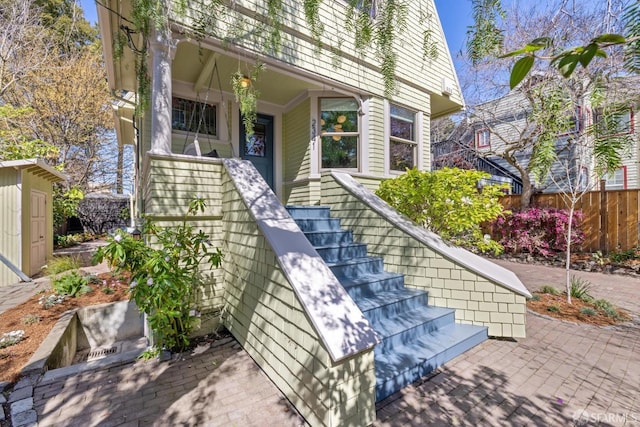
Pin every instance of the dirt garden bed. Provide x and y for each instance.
(578, 311)
(37, 321)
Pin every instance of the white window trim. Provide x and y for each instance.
(359, 134)
(418, 130)
(477, 137)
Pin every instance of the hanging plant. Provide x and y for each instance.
(246, 95)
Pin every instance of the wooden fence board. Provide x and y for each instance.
(611, 218)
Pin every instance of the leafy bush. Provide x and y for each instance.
(60, 264)
(447, 202)
(548, 289)
(72, 285)
(65, 203)
(623, 256)
(165, 277)
(580, 288)
(538, 231)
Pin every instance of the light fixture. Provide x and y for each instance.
(245, 82)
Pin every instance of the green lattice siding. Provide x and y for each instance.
(415, 80)
(296, 136)
(264, 314)
(169, 186)
(477, 300)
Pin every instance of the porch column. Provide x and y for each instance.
(163, 50)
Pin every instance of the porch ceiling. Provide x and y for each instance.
(204, 68)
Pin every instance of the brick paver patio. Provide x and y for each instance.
(561, 374)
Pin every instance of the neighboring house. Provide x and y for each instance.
(332, 329)
(504, 126)
(26, 218)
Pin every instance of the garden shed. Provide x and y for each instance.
(26, 217)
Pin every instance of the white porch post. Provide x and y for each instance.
(163, 50)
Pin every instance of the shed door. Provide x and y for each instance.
(38, 231)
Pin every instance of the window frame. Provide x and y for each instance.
(628, 110)
(479, 132)
(391, 138)
(624, 179)
(358, 134)
(194, 129)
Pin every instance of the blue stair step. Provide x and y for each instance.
(403, 329)
(369, 284)
(336, 253)
(326, 238)
(402, 365)
(303, 212)
(355, 267)
(386, 304)
(318, 224)
(415, 337)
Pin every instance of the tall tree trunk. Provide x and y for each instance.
(527, 191)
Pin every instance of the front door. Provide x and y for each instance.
(38, 231)
(258, 148)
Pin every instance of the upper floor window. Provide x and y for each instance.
(616, 122)
(575, 120)
(339, 132)
(402, 138)
(483, 138)
(192, 116)
(617, 180)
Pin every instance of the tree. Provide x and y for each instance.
(486, 39)
(540, 120)
(601, 150)
(24, 45)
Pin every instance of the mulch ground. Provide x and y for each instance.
(573, 312)
(37, 322)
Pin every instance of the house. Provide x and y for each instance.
(338, 298)
(506, 127)
(26, 218)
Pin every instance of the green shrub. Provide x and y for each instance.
(72, 285)
(602, 304)
(107, 290)
(48, 301)
(165, 277)
(548, 289)
(587, 311)
(447, 202)
(553, 308)
(580, 288)
(535, 297)
(626, 255)
(60, 264)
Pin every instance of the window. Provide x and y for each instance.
(575, 121)
(339, 132)
(618, 122)
(193, 116)
(617, 180)
(483, 138)
(403, 142)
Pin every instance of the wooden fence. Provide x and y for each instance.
(610, 221)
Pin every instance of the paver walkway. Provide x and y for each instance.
(561, 374)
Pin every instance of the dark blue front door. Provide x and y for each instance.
(258, 148)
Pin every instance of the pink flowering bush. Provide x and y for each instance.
(538, 231)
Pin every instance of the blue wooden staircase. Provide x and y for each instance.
(416, 337)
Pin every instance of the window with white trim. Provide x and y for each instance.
(403, 142)
(339, 132)
(192, 116)
(483, 138)
(614, 123)
(617, 180)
